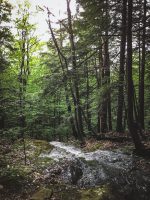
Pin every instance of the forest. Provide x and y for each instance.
(75, 108)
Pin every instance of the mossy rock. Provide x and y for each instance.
(37, 147)
(92, 163)
(92, 194)
(66, 192)
(42, 194)
(41, 143)
(99, 193)
(33, 147)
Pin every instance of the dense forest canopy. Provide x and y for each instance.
(89, 78)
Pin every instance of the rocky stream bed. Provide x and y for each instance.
(102, 174)
(60, 171)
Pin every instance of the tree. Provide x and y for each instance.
(130, 91)
(142, 68)
(24, 44)
(76, 95)
(119, 127)
(73, 79)
(6, 46)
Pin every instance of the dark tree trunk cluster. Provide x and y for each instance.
(97, 61)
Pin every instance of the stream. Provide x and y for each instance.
(98, 168)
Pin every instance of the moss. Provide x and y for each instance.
(127, 149)
(42, 194)
(92, 163)
(66, 192)
(42, 143)
(42, 162)
(99, 193)
(42, 146)
(33, 147)
(93, 147)
(14, 172)
(36, 147)
(92, 194)
(25, 170)
(96, 147)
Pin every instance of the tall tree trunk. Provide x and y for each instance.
(142, 72)
(73, 127)
(22, 84)
(106, 121)
(88, 113)
(99, 76)
(103, 111)
(109, 112)
(78, 110)
(54, 118)
(119, 127)
(130, 91)
(64, 65)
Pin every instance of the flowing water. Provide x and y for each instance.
(64, 151)
(100, 167)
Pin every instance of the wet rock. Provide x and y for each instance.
(89, 169)
(42, 194)
(76, 172)
(98, 168)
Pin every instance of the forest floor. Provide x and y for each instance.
(19, 181)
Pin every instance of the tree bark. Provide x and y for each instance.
(103, 112)
(106, 121)
(88, 113)
(130, 91)
(119, 127)
(142, 71)
(77, 103)
(99, 76)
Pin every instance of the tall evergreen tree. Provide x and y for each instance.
(119, 127)
(142, 68)
(130, 91)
